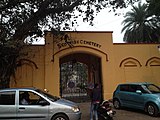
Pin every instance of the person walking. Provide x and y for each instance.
(95, 101)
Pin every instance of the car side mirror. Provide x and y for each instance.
(139, 92)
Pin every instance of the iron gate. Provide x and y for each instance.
(74, 81)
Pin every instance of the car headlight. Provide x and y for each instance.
(75, 109)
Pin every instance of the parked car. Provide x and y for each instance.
(38, 105)
(144, 96)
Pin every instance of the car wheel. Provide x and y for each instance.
(60, 117)
(116, 103)
(152, 109)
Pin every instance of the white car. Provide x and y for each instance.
(39, 106)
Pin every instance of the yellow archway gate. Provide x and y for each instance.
(85, 44)
(78, 74)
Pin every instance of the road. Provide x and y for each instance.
(122, 114)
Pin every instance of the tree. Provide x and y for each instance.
(140, 26)
(154, 6)
(22, 18)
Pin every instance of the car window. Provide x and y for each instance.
(29, 98)
(153, 88)
(50, 97)
(128, 88)
(124, 88)
(142, 89)
(132, 88)
(7, 98)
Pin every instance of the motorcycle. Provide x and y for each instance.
(105, 111)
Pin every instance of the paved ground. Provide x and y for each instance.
(123, 114)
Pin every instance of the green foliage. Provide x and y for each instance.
(140, 26)
(154, 7)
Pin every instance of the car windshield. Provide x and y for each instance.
(49, 96)
(151, 88)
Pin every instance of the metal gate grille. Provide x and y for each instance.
(74, 81)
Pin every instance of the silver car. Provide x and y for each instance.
(34, 104)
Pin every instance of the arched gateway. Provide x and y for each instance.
(78, 73)
(78, 66)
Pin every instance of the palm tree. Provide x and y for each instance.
(140, 27)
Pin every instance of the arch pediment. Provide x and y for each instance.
(153, 61)
(28, 62)
(130, 62)
(94, 49)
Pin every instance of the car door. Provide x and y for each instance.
(34, 110)
(7, 105)
(135, 99)
(123, 95)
